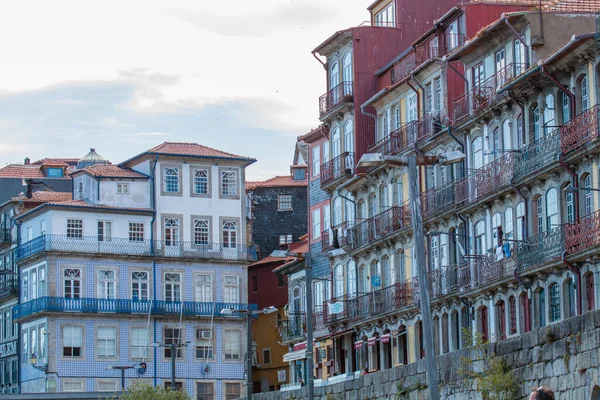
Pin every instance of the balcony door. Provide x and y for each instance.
(171, 232)
(334, 81)
(347, 73)
(477, 75)
(335, 143)
(501, 67)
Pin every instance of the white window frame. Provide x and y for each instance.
(136, 232)
(74, 339)
(284, 202)
(74, 228)
(229, 183)
(143, 350)
(123, 188)
(232, 349)
(231, 291)
(176, 286)
(316, 161)
(104, 289)
(107, 342)
(316, 223)
(140, 285)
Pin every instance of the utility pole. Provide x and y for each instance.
(173, 359)
(419, 238)
(123, 369)
(249, 356)
(310, 383)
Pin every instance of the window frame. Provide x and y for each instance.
(74, 231)
(316, 160)
(193, 220)
(180, 282)
(166, 348)
(212, 286)
(163, 180)
(224, 349)
(145, 348)
(193, 170)
(233, 241)
(101, 293)
(204, 382)
(139, 281)
(238, 179)
(226, 286)
(281, 203)
(81, 356)
(212, 343)
(80, 286)
(97, 342)
(121, 186)
(133, 234)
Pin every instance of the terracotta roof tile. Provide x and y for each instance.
(47, 196)
(70, 161)
(111, 170)
(193, 149)
(21, 171)
(271, 259)
(85, 205)
(276, 181)
(572, 6)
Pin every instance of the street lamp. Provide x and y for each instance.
(141, 369)
(174, 347)
(572, 189)
(34, 363)
(411, 162)
(249, 314)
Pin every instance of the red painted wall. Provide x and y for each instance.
(455, 85)
(479, 16)
(269, 293)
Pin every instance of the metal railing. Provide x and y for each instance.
(436, 201)
(342, 165)
(8, 286)
(580, 130)
(91, 244)
(489, 179)
(123, 306)
(342, 93)
(336, 236)
(398, 141)
(293, 328)
(379, 226)
(510, 72)
(488, 268)
(537, 155)
(443, 281)
(540, 249)
(583, 234)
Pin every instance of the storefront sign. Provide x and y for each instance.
(282, 376)
(8, 349)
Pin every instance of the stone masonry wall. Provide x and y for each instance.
(563, 356)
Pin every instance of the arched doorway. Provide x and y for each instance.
(588, 292)
(386, 349)
(402, 347)
(596, 393)
(373, 352)
(483, 322)
(501, 319)
(524, 319)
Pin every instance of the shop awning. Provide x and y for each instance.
(371, 341)
(385, 338)
(358, 345)
(294, 355)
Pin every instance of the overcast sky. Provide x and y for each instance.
(123, 76)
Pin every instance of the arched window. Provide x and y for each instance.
(361, 211)
(539, 304)
(229, 234)
(565, 107)
(534, 122)
(508, 224)
(337, 211)
(335, 143)
(399, 266)
(496, 223)
(480, 238)
(477, 153)
(549, 120)
(539, 212)
(372, 205)
(520, 231)
(569, 204)
(349, 208)
(501, 319)
(383, 197)
(171, 180)
(483, 323)
(386, 272)
(338, 276)
(334, 75)
(397, 190)
(587, 199)
(551, 209)
(375, 275)
(363, 279)
(584, 93)
(512, 315)
(506, 135)
(349, 136)
(497, 143)
(569, 307)
(351, 278)
(521, 139)
(172, 232)
(347, 67)
(554, 303)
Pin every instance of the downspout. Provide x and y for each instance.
(152, 223)
(319, 60)
(575, 185)
(561, 87)
(362, 109)
(457, 140)
(541, 21)
(521, 38)
(575, 271)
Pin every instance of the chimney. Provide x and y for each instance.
(27, 161)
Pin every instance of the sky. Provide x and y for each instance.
(124, 76)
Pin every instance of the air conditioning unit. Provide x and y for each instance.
(204, 334)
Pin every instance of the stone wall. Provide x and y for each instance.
(563, 356)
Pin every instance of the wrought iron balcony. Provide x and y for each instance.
(335, 169)
(294, 328)
(510, 72)
(336, 236)
(8, 286)
(580, 130)
(164, 248)
(436, 201)
(389, 221)
(490, 179)
(123, 306)
(443, 281)
(537, 155)
(540, 249)
(398, 140)
(583, 234)
(318, 320)
(427, 126)
(5, 236)
(340, 94)
(488, 268)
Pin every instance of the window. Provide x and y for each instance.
(106, 284)
(106, 346)
(347, 68)
(566, 107)
(139, 343)
(520, 132)
(72, 283)
(429, 91)
(316, 161)
(316, 224)
(231, 344)
(204, 344)
(569, 205)
(349, 136)
(74, 228)
(229, 234)
(34, 284)
(434, 252)
(200, 185)
(203, 288)
(512, 310)
(520, 221)
(43, 227)
(351, 273)
(325, 152)
(284, 202)
(534, 125)
(500, 66)
(438, 94)
(229, 185)
(172, 287)
(453, 35)
(285, 239)
(171, 232)
(201, 232)
(205, 391)
(496, 223)
(299, 174)
(476, 151)
(255, 284)
(173, 336)
(122, 188)
(139, 285)
(171, 176)
(387, 16)
(554, 303)
(326, 217)
(551, 209)
(444, 262)
(72, 341)
(337, 211)
(540, 214)
(136, 231)
(479, 238)
(587, 202)
(335, 143)
(231, 293)
(107, 386)
(266, 356)
(338, 276)
(104, 231)
(584, 93)
(549, 113)
(72, 386)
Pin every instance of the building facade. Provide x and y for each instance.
(138, 267)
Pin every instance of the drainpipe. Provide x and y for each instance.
(362, 109)
(562, 88)
(575, 185)
(457, 140)
(541, 21)
(319, 60)
(521, 38)
(461, 76)
(576, 272)
(153, 205)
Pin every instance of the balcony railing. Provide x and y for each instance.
(537, 155)
(491, 178)
(294, 328)
(427, 126)
(540, 249)
(342, 93)
(124, 306)
(8, 286)
(488, 268)
(510, 72)
(436, 201)
(580, 130)
(443, 281)
(91, 244)
(379, 226)
(318, 320)
(336, 236)
(340, 166)
(583, 234)
(398, 141)
(5, 236)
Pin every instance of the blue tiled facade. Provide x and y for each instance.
(320, 264)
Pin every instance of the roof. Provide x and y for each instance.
(84, 206)
(338, 34)
(111, 171)
(320, 131)
(92, 157)
(22, 171)
(191, 150)
(568, 6)
(45, 196)
(70, 161)
(276, 181)
(272, 260)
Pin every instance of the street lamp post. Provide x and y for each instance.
(249, 314)
(411, 162)
(174, 347)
